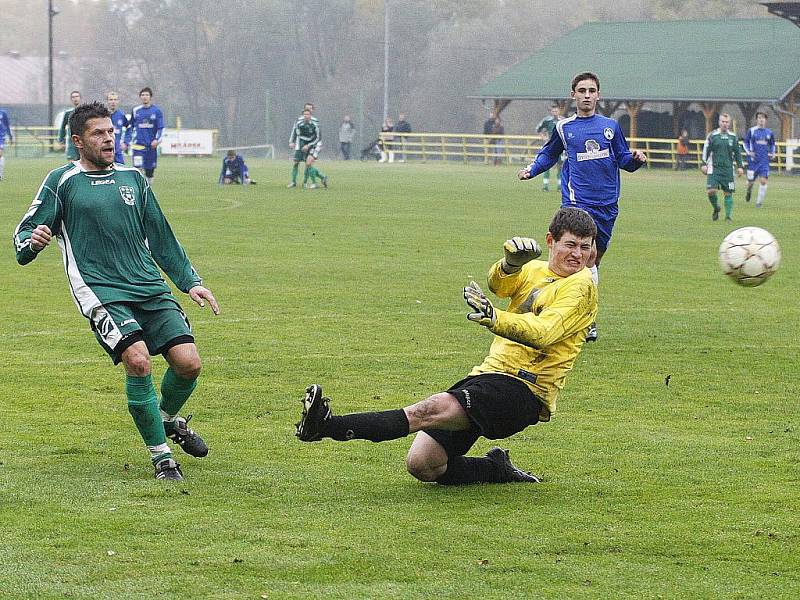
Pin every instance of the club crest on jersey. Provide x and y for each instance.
(608, 133)
(128, 195)
(593, 151)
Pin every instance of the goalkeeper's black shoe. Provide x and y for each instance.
(508, 471)
(316, 410)
(191, 443)
(715, 214)
(168, 469)
(748, 194)
(325, 182)
(591, 335)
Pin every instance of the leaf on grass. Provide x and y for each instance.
(110, 552)
(483, 561)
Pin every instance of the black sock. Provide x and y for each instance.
(373, 426)
(470, 469)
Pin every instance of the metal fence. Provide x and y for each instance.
(511, 149)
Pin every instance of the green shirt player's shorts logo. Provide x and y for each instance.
(128, 195)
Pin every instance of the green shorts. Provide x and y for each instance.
(300, 156)
(159, 322)
(722, 182)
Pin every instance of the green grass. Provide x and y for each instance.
(651, 491)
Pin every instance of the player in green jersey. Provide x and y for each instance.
(306, 141)
(114, 238)
(720, 151)
(546, 127)
(64, 134)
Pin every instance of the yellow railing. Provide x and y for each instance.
(511, 149)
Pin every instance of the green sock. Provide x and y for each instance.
(143, 406)
(312, 171)
(319, 173)
(295, 168)
(175, 391)
(305, 176)
(713, 199)
(728, 206)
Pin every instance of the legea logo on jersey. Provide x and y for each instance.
(593, 151)
(103, 182)
(128, 196)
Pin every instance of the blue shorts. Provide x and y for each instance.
(604, 217)
(2, 143)
(145, 159)
(757, 170)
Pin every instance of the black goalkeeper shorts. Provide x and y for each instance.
(498, 406)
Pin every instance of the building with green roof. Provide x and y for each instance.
(708, 63)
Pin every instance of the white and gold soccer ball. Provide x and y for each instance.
(749, 256)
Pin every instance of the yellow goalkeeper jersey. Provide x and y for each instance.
(543, 330)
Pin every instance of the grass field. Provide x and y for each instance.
(651, 491)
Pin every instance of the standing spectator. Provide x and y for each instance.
(346, 133)
(64, 134)
(683, 149)
(120, 122)
(147, 125)
(5, 130)
(499, 146)
(488, 125)
(402, 126)
(387, 141)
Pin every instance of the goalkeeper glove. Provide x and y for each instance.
(483, 310)
(518, 251)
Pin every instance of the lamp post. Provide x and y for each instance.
(385, 59)
(51, 12)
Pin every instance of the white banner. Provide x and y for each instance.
(187, 141)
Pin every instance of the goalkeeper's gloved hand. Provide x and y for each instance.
(518, 251)
(483, 310)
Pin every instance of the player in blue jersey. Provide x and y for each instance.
(145, 128)
(595, 150)
(234, 170)
(760, 147)
(120, 121)
(5, 131)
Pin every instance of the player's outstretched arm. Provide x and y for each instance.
(519, 251)
(201, 294)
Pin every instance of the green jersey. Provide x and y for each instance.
(305, 133)
(547, 124)
(65, 136)
(112, 235)
(719, 152)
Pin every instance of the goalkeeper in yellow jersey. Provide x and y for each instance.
(552, 304)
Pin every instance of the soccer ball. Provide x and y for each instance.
(749, 256)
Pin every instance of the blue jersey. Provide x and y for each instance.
(596, 150)
(120, 121)
(5, 127)
(146, 125)
(759, 143)
(234, 168)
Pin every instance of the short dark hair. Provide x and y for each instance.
(761, 112)
(84, 112)
(585, 75)
(73, 92)
(146, 89)
(231, 153)
(573, 220)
